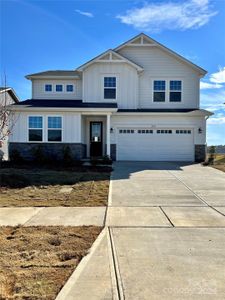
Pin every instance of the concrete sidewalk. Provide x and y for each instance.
(52, 216)
(164, 236)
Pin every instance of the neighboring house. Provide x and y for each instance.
(7, 97)
(139, 101)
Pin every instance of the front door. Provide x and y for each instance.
(95, 138)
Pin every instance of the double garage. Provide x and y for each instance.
(158, 144)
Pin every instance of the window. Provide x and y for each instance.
(48, 87)
(35, 129)
(59, 88)
(164, 131)
(184, 131)
(145, 131)
(159, 91)
(109, 87)
(69, 88)
(126, 131)
(54, 129)
(175, 90)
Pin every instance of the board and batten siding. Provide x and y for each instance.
(71, 126)
(127, 83)
(158, 64)
(38, 89)
(159, 122)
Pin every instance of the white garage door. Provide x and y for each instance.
(146, 144)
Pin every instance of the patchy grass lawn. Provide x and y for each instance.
(219, 162)
(25, 187)
(35, 262)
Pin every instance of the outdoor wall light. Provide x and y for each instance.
(199, 130)
(111, 130)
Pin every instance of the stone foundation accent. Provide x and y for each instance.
(200, 153)
(52, 150)
(113, 151)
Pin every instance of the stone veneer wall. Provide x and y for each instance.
(113, 151)
(52, 150)
(200, 153)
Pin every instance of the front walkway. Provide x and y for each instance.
(165, 236)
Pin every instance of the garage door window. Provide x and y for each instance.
(183, 131)
(159, 94)
(126, 131)
(145, 131)
(164, 131)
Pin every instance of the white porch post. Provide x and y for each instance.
(108, 135)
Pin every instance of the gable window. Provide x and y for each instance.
(54, 129)
(159, 93)
(69, 88)
(48, 88)
(35, 129)
(109, 87)
(59, 88)
(175, 90)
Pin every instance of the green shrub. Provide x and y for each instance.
(67, 155)
(15, 156)
(39, 155)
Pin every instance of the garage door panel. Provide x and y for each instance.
(155, 146)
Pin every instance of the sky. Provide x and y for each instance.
(50, 35)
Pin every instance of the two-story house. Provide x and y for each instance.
(139, 101)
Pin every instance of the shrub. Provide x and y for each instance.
(14, 180)
(15, 156)
(39, 155)
(67, 155)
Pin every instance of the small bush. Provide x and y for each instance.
(16, 157)
(54, 241)
(67, 156)
(39, 155)
(14, 180)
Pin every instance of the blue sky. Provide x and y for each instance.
(44, 35)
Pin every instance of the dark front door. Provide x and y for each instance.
(95, 138)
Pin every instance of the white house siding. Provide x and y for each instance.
(71, 132)
(127, 83)
(38, 89)
(158, 64)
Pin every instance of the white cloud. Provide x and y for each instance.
(215, 121)
(207, 85)
(218, 77)
(169, 15)
(84, 13)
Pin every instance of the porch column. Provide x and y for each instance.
(108, 135)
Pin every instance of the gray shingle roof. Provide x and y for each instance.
(55, 73)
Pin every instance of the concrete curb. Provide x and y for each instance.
(77, 272)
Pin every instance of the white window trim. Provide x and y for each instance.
(49, 92)
(167, 90)
(103, 86)
(62, 134)
(28, 128)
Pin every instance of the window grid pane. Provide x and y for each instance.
(159, 96)
(35, 122)
(175, 85)
(55, 122)
(159, 85)
(58, 87)
(109, 81)
(48, 87)
(69, 88)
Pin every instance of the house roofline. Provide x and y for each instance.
(12, 93)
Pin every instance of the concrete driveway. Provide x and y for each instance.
(165, 229)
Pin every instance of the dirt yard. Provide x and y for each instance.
(24, 187)
(219, 162)
(35, 262)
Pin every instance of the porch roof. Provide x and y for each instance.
(56, 103)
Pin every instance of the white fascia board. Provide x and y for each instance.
(53, 77)
(197, 113)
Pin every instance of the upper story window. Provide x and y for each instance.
(109, 87)
(59, 88)
(35, 129)
(159, 93)
(69, 87)
(48, 88)
(54, 129)
(175, 90)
